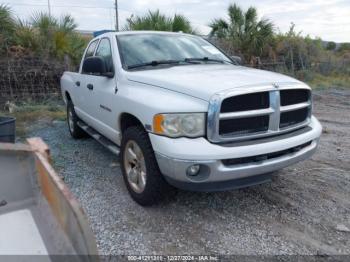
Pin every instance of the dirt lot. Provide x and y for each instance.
(305, 210)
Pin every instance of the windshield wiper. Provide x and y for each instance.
(172, 62)
(207, 59)
(155, 63)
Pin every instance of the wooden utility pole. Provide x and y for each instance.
(116, 16)
(49, 6)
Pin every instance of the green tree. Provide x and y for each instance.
(44, 27)
(7, 27)
(331, 46)
(345, 47)
(26, 36)
(298, 52)
(249, 35)
(51, 37)
(43, 34)
(159, 22)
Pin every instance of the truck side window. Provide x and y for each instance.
(91, 49)
(104, 50)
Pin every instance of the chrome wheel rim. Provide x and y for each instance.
(135, 166)
(70, 120)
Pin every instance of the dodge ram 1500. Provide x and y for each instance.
(180, 112)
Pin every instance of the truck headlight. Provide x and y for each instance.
(180, 125)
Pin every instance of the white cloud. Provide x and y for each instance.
(328, 19)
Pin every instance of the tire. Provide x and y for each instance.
(72, 121)
(155, 188)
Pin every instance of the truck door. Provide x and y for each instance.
(83, 94)
(102, 89)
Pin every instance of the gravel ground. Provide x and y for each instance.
(305, 210)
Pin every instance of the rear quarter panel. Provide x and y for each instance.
(67, 82)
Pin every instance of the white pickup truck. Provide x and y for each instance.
(180, 112)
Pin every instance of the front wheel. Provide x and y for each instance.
(141, 173)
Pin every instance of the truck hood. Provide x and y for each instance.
(202, 81)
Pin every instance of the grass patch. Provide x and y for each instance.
(318, 81)
(29, 114)
(321, 81)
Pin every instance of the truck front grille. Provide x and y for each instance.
(294, 96)
(245, 102)
(244, 126)
(292, 118)
(258, 114)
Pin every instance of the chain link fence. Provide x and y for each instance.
(29, 78)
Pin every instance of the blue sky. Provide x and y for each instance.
(328, 19)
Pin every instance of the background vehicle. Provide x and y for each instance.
(181, 112)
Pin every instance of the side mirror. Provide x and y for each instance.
(236, 59)
(96, 65)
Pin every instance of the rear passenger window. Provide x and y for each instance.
(104, 50)
(91, 49)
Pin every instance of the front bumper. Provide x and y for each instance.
(174, 156)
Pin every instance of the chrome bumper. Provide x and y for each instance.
(214, 171)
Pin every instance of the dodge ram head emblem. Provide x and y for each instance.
(275, 85)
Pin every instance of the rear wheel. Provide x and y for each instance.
(141, 173)
(72, 121)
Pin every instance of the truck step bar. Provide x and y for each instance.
(100, 138)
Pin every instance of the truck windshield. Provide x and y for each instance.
(152, 50)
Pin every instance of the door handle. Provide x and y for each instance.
(77, 83)
(90, 86)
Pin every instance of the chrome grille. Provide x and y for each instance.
(258, 112)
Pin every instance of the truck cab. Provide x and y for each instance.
(180, 113)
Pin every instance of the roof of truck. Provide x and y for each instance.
(141, 32)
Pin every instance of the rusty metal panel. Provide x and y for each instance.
(28, 181)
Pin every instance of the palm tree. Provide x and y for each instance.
(44, 27)
(246, 33)
(159, 22)
(7, 26)
(43, 34)
(63, 36)
(25, 36)
(56, 37)
(181, 23)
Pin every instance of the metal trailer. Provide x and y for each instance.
(38, 213)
